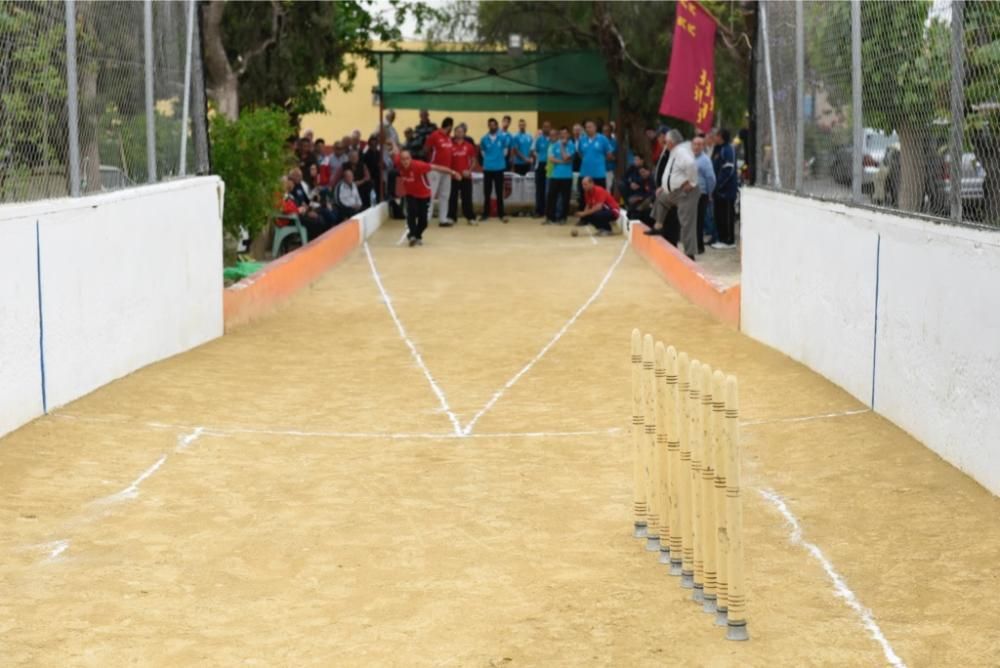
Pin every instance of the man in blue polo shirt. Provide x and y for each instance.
(595, 151)
(507, 137)
(520, 149)
(540, 152)
(561, 154)
(494, 150)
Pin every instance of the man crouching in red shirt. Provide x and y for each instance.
(601, 212)
(413, 175)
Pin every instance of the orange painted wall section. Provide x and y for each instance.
(260, 293)
(687, 277)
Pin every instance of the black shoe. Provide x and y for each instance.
(413, 241)
(420, 242)
(653, 233)
(483, 219)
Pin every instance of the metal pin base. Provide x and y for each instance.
(737, 631)
(698, 595)
(687, 579)
(721, 618)
(652, 543)
(675, 567)
(639, 530)
(709, 606)
(664, 556)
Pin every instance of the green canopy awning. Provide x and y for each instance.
(495, 81)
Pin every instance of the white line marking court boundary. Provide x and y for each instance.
(839, 584)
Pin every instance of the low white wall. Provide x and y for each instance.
(20, 361)
(127, 279)
(372, 219)
(928, 358)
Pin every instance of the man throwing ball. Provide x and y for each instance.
(413, 174)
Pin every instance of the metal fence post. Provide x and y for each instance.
(72, 100)
(770, 93)
(182, 171)
(857, 117)
(800, 92)
(150, 116)
(199, 123)
(957, 105)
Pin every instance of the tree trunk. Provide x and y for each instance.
(912, 168)
(222, 83)
(90, 153)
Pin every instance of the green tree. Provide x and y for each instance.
(634, 38)
(32, 97)
(904, 58)
(250, 156)
(982, 95)
(276, 53)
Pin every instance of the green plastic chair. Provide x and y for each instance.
(282, 233)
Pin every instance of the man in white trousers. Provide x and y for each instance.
(437, 149)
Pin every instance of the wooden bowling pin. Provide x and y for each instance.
(638, 439)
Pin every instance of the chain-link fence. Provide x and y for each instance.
(101, 106)
(884, 104)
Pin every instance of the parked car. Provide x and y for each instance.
(936, 197)
(876, 143)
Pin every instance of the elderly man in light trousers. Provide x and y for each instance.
(679, 187)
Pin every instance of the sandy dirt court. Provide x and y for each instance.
(433, 469)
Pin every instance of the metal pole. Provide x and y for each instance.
(770, 94)
(857, 117)
(800, 93)
(72, 100)
(182, 171)
(383, 181)
(957, 105)
(150, 116)
(199, 122)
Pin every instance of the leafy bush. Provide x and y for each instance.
(249, 155)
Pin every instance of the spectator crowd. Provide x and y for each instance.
(685, 189)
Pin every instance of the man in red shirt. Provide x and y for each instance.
(438, 149)
(463, 159)
(413, 177)
(601, 209)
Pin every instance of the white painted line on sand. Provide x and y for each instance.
(187, 439)
(406, 234)
(548, 346)
(806, 418)
(839, 585)
(418, 358)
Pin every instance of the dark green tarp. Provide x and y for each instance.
(495, 81)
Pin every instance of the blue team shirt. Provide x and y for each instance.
(562, 170)
(493, 147)
(613, 143)
(522, 142)
(542, 148)
(593, 153)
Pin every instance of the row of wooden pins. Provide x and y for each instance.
(685, 436)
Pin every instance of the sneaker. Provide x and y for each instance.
(574, 232)
(503, 219)
(548, 222)
(652, 232)
(471, 221)
(604, 233)
(414, 242)
(446, 223)
(420, 242)
(483, 219)
(718, 245)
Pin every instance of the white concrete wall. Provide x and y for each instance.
(20, 365)
(127, 279)
(810, 273)
(372, 219)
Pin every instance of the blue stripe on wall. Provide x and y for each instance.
(41, 320)
(878, 259)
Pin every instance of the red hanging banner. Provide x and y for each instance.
(690, 90)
